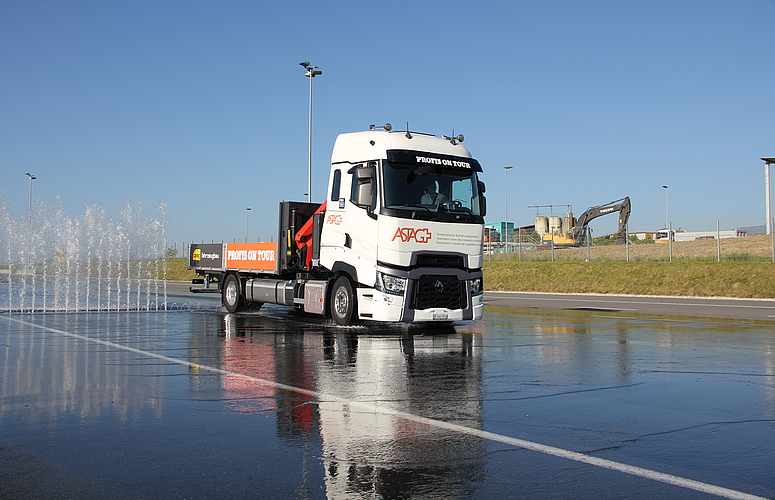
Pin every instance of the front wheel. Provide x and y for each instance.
(343, 302)
(232, 294)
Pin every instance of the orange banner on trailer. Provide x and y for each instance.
(253, 256)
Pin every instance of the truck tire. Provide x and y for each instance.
(343, 302)
(231, 297)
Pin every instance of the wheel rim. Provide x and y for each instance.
(341, 301)
(231, 293)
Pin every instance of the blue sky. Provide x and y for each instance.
(203, 106)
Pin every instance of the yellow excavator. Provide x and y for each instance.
(577, 235)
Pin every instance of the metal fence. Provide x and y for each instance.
(529, 246)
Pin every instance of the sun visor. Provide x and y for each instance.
(424, 158)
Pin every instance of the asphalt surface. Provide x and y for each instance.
(575, 398)
(701, 307)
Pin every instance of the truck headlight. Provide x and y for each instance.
(477, 286)
(390, 284)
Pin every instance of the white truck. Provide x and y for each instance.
(399, 238)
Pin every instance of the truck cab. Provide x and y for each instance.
(404, 222)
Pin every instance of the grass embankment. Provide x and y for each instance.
(754, 248)
(176, 270)
(701, 279)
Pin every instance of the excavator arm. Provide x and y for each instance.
(622, 206)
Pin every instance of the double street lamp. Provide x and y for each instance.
(312, 72)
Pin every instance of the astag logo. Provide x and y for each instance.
(197, 254)
(409, 233)
(335, 219)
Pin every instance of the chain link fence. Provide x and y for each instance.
(709, 245)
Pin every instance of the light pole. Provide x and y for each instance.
(506, 203)
(767, 162)
(668, 226)
(247, 211)
(29, 202)
(312, 72)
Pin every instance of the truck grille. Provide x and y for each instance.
(438, 291)
(440, 260)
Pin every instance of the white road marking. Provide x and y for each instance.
(440, 424)
(624, 300)
(618, 309)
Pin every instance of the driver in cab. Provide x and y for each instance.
(431, 196)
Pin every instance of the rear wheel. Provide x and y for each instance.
(231, 297)
(343, 302)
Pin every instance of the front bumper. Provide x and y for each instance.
(381, 306)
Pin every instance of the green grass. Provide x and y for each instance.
(154, 269)
(690, 278)
(176, 270)
(738, 275)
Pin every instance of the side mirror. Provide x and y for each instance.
(482, 199)
(363, 186)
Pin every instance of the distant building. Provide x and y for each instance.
(505, 230)
(663, 235)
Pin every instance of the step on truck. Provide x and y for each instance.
(399, 238)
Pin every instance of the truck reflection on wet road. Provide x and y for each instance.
(203, 404)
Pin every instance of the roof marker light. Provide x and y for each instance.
(387, 128)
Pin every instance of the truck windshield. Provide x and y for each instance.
(430, 189)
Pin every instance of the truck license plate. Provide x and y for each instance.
(440, 316)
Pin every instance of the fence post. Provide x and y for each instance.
(718, 239)
(519, 235)
(552, 247)
(670, 239)
(627, 240)
(589, 239)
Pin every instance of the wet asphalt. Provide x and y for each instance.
(194, 403)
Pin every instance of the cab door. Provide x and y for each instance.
(349, 236)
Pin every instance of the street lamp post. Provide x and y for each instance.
(667, 225)
(247, 211)
(312, 72)
(767, 162)
(29, 202)
(506, 204)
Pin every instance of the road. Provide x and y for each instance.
(574, 399)
(742, 309)
(699, 307)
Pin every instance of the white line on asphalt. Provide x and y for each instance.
(602, 309)
(440, 424)
(646, 302)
